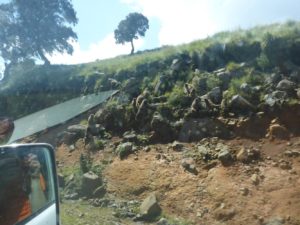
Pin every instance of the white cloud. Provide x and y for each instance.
(103, 49)
(183, 21)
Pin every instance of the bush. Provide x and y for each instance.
(177, 98)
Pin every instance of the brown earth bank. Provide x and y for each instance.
(262, 191)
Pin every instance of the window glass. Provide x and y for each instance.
(26, 183)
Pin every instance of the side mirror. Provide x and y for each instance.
(28, 185)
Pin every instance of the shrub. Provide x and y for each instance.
(177, 98)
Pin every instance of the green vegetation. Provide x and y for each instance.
(263, 48)
(24, 37)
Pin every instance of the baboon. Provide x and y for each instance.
(210, 105)
(142, 110)
(189, 90)
(142, 97)
(88, 134)
(196, 105)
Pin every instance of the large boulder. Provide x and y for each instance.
(78, 129)
(162, 129)
(240, 104)
(67, 137)
(197, 129)
(112, 118)
(150, 208)
(215, 95)
(89, 183)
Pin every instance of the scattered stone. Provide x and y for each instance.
(224, 214)
(177, 146)
(275, 221)
(147, 149)
(285, 165)
(72, 196)
(162, 221)
(150, 208)
(189, 165)
(244, 191)
(255, 179)
(247, 155)
(71, 148)
(292, 153)
(225, 157)
(130, 136)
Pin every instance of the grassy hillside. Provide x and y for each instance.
(265, 49)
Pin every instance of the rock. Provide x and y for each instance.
(78, 129)
(246, 88)
(240, 104)
(255, 179)
(247, 155)
(99, 192)
(150, 208)
(197, 129)
(225, 157)
(72, 196)
(177, 146)
(274, 78)
(215, 95)
(292, 153)
(163, 221)
(224, 214)
(90, 181)
(130, 136)
(162, 129)
(244, 191)
(124, 149)
(205, 153)
(279, 95)
(189, 165)
(285, 165)
(286, 85)
(275, 221)
(67, 137)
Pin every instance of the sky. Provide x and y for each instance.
(171, 22)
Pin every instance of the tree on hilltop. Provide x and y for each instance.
(34, 28)
(133, 26)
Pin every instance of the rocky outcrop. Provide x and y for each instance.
(197, 129)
